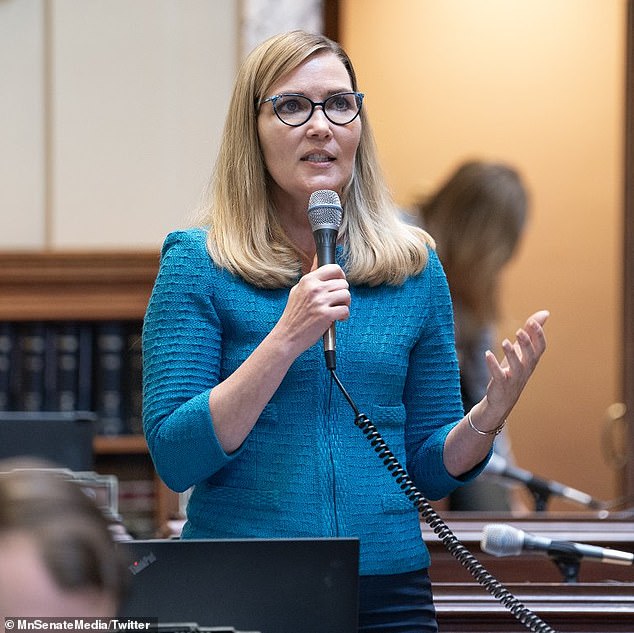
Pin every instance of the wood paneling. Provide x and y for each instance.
(592, 607)
(75, 285)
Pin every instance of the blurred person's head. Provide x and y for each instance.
(476, 217)
(57, 555)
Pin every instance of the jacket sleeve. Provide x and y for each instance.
(181, 364)
(432, 392)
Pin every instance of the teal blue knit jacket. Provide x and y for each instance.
(305, 470)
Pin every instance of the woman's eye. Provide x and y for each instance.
(340, 103)
(292, 105)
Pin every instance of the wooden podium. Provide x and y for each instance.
(591, 607)
(601, 601)
(615, 531)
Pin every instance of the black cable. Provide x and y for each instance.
(529, 619)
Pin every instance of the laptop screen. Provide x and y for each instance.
(264, 585)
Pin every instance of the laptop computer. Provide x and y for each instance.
(65, 439)
(263, 585)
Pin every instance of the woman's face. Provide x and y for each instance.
(318, 154)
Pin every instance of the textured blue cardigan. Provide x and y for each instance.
(305, 470)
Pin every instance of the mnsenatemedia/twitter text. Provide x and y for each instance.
(79, 624)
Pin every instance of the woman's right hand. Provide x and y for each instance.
(321, 297)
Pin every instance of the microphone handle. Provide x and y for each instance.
(330, 348)
(580, 550)
(546, 487)
(605, 555)
(326, 241)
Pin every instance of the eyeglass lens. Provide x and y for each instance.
(296, 109)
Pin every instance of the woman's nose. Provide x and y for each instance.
(318, 122)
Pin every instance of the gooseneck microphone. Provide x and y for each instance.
(324, 214)
(500, 539)
(541, 488)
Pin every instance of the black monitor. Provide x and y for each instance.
(263, 585)
(63, 438)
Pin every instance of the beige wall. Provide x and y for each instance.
(111, 116)
(22, 167)
(538, 83)
(112, 112)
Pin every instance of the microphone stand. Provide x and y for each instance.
(564, 555)
(567, 559)
(541, 494)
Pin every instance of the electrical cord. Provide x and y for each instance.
(529, 619)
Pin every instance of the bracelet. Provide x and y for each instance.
(496, 431)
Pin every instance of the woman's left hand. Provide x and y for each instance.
(509, 377)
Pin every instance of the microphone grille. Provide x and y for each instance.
(499, 539)
(324, 209)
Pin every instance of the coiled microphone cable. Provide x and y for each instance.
(529, 619)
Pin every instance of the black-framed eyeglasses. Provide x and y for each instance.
(294, 109)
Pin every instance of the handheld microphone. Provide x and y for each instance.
(324, 214)
(539, 487)
(499, 539)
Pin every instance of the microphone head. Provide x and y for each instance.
(499, 539)
(324, 210)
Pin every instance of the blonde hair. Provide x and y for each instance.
(245, 235)
(476, 217)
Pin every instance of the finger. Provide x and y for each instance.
(540, 316)
(537, 335)
(341, 313)
(536, 321)
(328, 271)
(531, 341)
(512, 356)
(332, 285)
(495, 369)
(527, 349)
(339, 295)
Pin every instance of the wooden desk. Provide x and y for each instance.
(614, 531)
(595, 608)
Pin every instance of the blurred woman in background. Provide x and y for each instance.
(477, 217)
